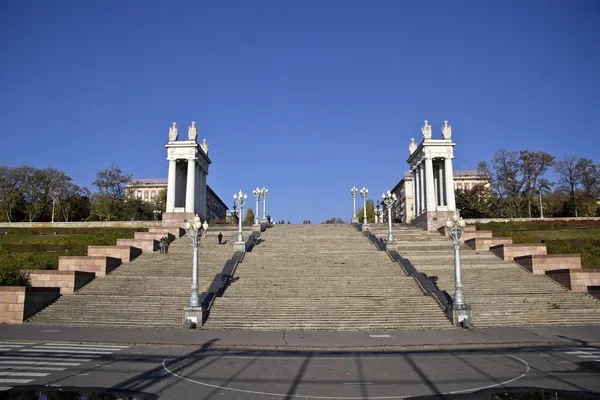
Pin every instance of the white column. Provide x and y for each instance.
(171, 186)
(422, 198)
(203, 193)
(430, 190)
(415, 193)
(449, 184)
(441, 188)
(190, 188)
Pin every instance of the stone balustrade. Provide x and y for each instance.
(99, 265)
(18, 303)
(540, 263)
(68, 281)
(125, 253)
(509, 251)
(148, 245)
(487, 242)
(578, 280)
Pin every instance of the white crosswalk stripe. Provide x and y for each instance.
(22, 362)
(586, 353)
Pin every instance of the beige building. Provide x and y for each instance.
(148, 190)
(403, 211)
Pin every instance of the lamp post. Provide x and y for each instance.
(389, 199)
(377, 213)
(195, 231)
(364, 193)
(264, 192)
(461, 312)
(240, 199)
(354, 190)
(257, 192)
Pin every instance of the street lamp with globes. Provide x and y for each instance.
(353, 191)
(240, 199)
(196, 231)
(364, 192)
(461, 311)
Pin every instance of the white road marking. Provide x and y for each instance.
(11, 343)
(45, 358)
(29, 367)
(10, 346)
(379, 336)
(87, 345)
(57, 348)
(38, 374)
(63, 351)
(40, 363)
(15, 380)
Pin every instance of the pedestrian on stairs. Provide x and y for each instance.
(220, 237)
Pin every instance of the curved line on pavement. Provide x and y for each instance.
(527, 369)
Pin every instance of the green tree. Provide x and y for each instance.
(10, 192)
(249, 220)
(109, 203)
(534, 164)
(474, 202)
(568, 179)
(370, 213)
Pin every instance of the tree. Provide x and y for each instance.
(370, 212)
(10, 191)
(474, 202)
(534, 164)
(112, 182)
(568, 178)
(34, 190)
(589, 177)
(505, 181)
(249, 220)
(109, 203)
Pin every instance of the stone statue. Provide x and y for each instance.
(426, 130)
(446, 130)
(204, 146)
(193, 131)
(412, 146)
(173, 132)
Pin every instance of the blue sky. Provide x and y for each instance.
(305, 97)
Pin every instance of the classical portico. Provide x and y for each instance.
(433, 182)
(186, 183)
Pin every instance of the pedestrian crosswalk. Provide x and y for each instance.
(587, 353)
(23, 362)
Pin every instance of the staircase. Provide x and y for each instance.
(322, 277)
(501, 293)
(149, 292)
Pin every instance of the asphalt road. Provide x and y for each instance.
(184, 372)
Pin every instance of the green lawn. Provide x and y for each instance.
(591, 233)
(18, 239)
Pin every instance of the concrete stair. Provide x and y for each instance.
(148, 292)
(501, 293)
(322, 277)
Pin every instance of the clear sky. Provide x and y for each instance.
(306, 97)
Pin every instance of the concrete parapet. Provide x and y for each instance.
(468, 228)
(125, 253)
(154, 235)
(175, 231)
(476, 234)
(18, 303)
(68, 281)
(98, 264)
(148, 245)
(578, 280)
(539, 264)
(432, 220)
(508, 252)
(486, 243)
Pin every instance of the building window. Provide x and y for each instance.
(139, 194)
(153, 194)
